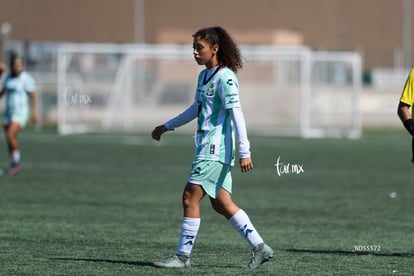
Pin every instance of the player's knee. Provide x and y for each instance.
(186, 202)
(188, 199)
(192, 195)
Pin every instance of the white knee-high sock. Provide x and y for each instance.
(188, 234)
(241, 222)
(15, 156)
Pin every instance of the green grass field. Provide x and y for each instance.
(110, 205)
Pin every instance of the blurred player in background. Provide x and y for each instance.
(3, 69)
(219, 113)
(406, 102)
(18, 86)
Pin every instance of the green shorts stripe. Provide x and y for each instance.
(211, 175)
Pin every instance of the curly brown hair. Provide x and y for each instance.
(228, 54)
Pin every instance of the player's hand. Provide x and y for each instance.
(158, 131)
(246, 164)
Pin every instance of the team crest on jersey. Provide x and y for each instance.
(210, 90)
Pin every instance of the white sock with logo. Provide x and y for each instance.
(241, 222)
(188, 234)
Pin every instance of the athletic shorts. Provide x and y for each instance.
(211, 175)
(20, 117)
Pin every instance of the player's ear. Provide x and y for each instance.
(215, 48)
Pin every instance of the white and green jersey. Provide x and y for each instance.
(217, 92)
(217, 107)
(16, 89)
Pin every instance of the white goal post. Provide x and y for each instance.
(289, 91)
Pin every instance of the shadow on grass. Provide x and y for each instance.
(357, 253)
(104, 261)
(150, 264)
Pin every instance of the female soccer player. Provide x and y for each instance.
(18, 87)
(407, 101)
(219, 113)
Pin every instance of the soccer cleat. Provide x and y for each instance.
(260, 256)
(14, 170)
(174, 262)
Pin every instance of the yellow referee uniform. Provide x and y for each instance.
(407, 95)
(407, 98)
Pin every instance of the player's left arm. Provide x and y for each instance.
(246, 163)
(30, 88)
(33, 100)
(229, 94)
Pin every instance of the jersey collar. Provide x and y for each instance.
(207, 79)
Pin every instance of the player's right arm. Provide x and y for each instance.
(406, 101)
(188, 115)
(405, 117)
